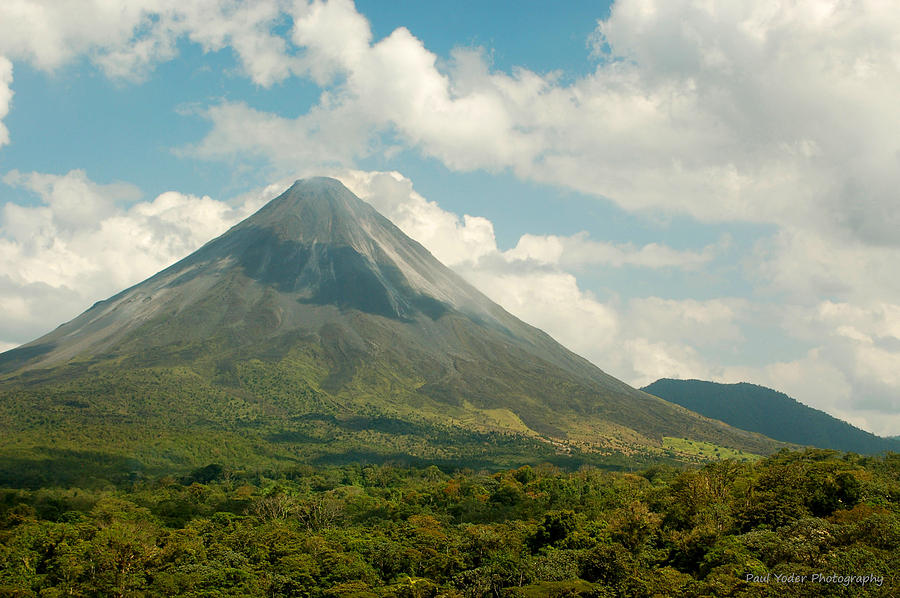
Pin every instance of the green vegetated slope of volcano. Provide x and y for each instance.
(769, 412)
(316, 330)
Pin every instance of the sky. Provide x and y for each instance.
(671, 188)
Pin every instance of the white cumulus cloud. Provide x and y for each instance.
(579, 250)
(127, 39)
(6, 95)
(769, 111)
(84, 242)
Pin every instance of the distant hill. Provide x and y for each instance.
(769, 412)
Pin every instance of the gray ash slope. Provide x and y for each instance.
(320, 270)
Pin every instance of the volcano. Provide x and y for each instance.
(316, 329)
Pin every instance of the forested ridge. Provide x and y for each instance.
(771, 413)
(383, 530)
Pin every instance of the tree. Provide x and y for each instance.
(555, 527)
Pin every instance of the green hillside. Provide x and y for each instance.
(107, 421)
(771, 413)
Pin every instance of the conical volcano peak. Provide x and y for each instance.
(321, 243)
(323, 193)
(316, 210)
(317, 184)
(317, 306)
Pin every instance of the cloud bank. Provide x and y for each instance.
(772, 112)
(84, 242)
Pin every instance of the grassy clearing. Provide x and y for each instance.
(706, 450)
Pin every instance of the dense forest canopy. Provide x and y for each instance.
(725, 529)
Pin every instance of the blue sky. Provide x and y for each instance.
(672, 188)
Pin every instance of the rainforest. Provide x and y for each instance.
(724, 529)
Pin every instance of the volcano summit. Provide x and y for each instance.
(317, 330)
